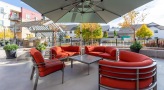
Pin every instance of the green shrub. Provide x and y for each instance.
(41, 47)
(136, 45)
(10, 47)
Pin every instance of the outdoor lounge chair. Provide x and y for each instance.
(132, 72)
(44, 67)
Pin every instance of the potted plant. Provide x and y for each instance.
(10, 50)
(135, 47)
(41, 47)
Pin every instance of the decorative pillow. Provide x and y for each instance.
(88, 48)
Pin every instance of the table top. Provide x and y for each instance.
(88, 59)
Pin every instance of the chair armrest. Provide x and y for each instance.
(39, 64)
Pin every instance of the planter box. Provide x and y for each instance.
(10, 54)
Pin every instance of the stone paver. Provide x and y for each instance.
(15, 75)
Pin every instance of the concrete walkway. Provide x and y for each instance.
(16, 76)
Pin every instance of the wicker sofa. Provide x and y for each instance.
(132, 72)
(64, 51)
(106, 52)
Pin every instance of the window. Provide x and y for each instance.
(1, 23)
(155, 31)
(1, 10)
(36, 18)
(27, 16)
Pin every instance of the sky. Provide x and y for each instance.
(154, 11)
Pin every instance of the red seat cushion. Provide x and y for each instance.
(107, 56)
(124, 84)
(95, 53)
(62, 55)
(50, 67)
(72, 53)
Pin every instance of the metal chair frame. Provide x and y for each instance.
(35, 70)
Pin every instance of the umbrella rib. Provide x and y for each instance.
(60, 8)
(67, 11)
(106, 10)
(97, 14)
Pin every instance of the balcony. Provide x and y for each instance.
(14, 16)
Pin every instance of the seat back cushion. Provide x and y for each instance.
(111, 50)
(37, 56)
(99, 49)
(71, 48)
(129, 56)
(65, 48)
(74, 48)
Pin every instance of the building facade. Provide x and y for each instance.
(11, 15)
(8, 14)
(157, 29)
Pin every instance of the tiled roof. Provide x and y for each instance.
(73, 27)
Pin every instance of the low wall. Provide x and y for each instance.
(149, 52)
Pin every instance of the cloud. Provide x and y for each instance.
(154, 11)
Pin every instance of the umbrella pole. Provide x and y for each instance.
(81, 39)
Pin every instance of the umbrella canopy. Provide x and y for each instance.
(91, 11)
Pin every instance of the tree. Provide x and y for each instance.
(132, 18)
(89, 31)
(105, 35)
(29, 36)
(144, 32)
(7, 33)
(115, 33)
(67, 37)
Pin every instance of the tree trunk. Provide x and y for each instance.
(134, 36)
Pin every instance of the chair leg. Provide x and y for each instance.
(36, 82)
(32, 73)
(99, 87)
(62, 75)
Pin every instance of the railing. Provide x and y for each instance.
(112, 42)
(159, 43)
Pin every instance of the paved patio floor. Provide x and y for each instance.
(16, 76)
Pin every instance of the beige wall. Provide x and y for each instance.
(24, 32)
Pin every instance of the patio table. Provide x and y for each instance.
(86, 59)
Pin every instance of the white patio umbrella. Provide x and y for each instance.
(89, 11)
(93, 11)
